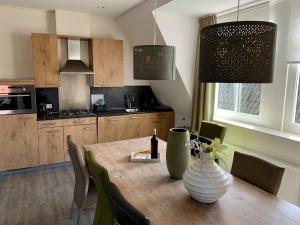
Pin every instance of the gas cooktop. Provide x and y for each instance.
(75, 113)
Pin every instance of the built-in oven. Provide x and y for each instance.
(17, 99)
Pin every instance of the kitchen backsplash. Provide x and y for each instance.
(49, 96)
(114, 96)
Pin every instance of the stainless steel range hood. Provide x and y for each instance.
(74, 64)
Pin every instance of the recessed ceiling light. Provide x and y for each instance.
(102, 7)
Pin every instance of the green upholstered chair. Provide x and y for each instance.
(258, 172)
(212, 130)
(104, 213)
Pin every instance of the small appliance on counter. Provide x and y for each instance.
(98, 102)
(42, 111)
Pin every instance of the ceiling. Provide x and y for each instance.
(105, 8)
(204, 7)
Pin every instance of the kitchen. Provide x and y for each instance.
(89, 103)
(69, 91)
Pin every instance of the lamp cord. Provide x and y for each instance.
(238, 11)
(154, 33)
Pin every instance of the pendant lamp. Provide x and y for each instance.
(154, 62)
(238, 52)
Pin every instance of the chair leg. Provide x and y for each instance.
(72, 208)
(78, 217)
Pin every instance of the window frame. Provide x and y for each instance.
(292, 84)
(235, 115)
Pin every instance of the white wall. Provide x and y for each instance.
(17, 24)
(294, 35)
(137, 25)
(181, 32)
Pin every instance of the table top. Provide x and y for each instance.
(165, 201)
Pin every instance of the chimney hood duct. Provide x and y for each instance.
(74, 64)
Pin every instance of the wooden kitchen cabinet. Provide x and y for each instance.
(112, 128)
(51, 148)
(137, 125)
(162, 122)
(18, 141)
(45, 60)
(106, 58)
(82, 135)
(89, 134)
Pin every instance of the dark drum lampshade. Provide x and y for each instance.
(238, 52)
(154, 62)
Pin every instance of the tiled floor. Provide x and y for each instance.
(40, 197)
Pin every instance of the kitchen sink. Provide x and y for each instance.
(132, 110)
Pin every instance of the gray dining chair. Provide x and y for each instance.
(258, 172)
(85, 195)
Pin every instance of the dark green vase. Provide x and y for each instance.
(178, 155)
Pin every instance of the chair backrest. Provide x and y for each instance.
(103, 214)
(201, 139)
(258, 172)
(80, 171)
(125, 213)
(212, 130)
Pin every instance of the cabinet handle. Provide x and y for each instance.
(133, 117)
(155, 121)
(25, 118)
(113, 119)
(88, 128)
(49, 124)
(53, 131)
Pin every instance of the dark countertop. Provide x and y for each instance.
(120, 112)
(58, 117)
(112, 112)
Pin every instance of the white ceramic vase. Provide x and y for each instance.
(205, 180)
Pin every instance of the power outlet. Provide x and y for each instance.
(48, 106)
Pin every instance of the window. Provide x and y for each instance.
(241, 98)
(297, 104)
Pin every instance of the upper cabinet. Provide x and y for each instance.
(106, 58)
(45, 60)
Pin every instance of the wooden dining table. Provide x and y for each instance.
(165, 201)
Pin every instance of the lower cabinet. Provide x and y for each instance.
(52, 136)
(82, 135)
(137, 125)
(113, 128)
(18, 141)
(162, 122)
(51, 145)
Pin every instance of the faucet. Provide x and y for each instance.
(129, 99)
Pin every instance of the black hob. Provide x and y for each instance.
(75, 113)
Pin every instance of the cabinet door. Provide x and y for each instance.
(45, 60)
(107, 61)
(111, 128)
(163, 122)
(18, 141)
(156, 123)
(89, 134)
(76, 133)
(137, 126)
(51, 145)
